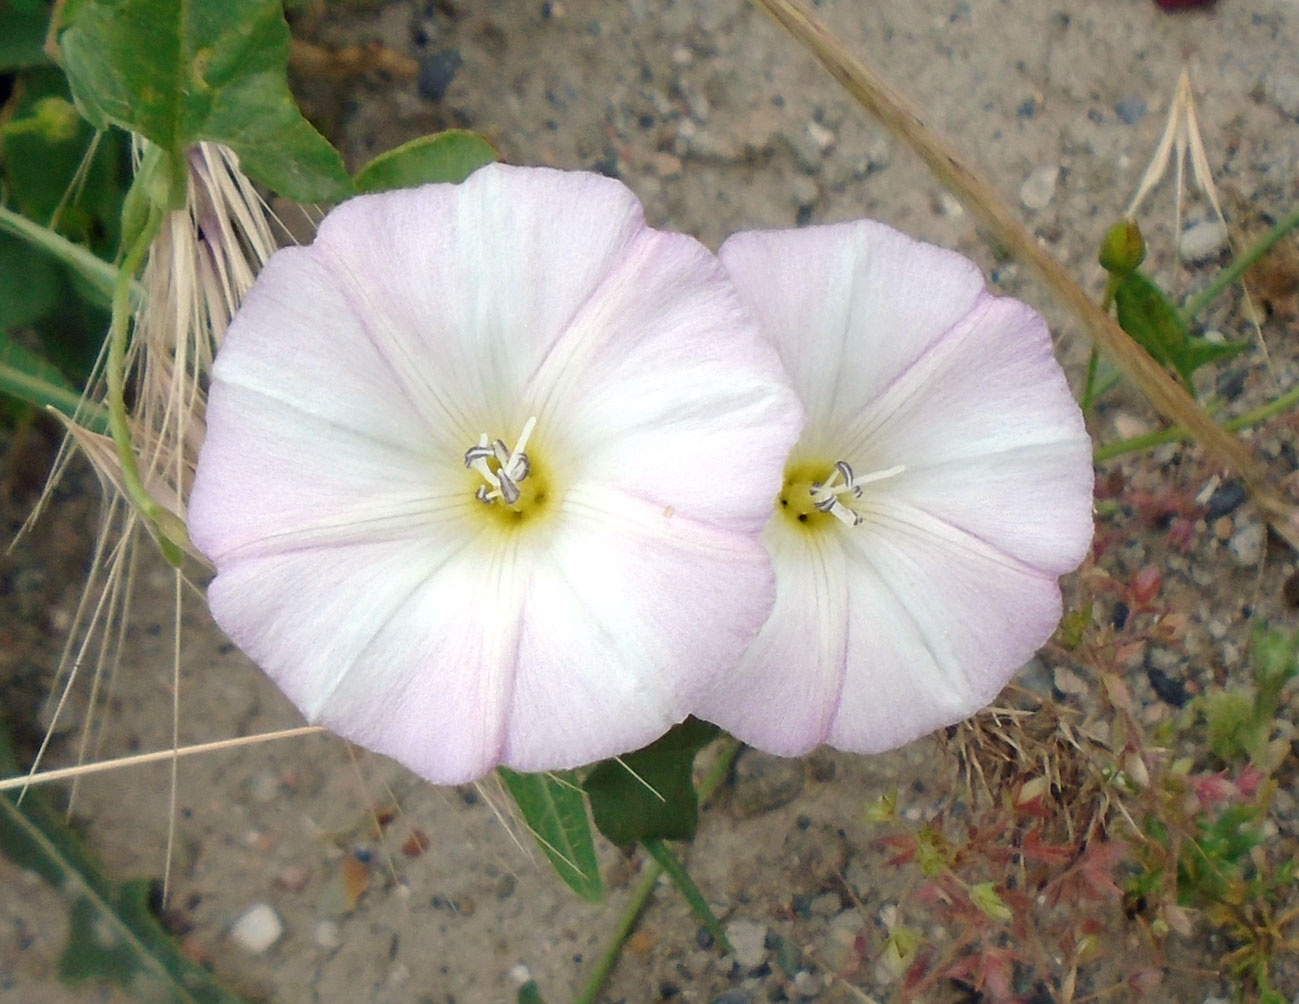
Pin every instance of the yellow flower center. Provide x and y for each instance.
(511, 489)
(817, 493)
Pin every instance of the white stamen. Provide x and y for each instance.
(512, 466)
(829, 496)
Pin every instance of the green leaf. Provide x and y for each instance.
(180, 71)
(449, 156)
(29, 284)
(1146, 314)
(29, 377)
(23, 24)
(554, 808)
(530, 994)
(112, 934)
(650, 793)
(73, 182)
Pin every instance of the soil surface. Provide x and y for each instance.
(719, 122)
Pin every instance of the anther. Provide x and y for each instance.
(501, 468)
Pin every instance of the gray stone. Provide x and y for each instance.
(748, 938)
(1246, 544)
(764, 782)
(1038, 188)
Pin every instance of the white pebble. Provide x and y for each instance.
(1202, 241)
(1039, 187)
(328, 934)
(821, 136)
(258, 929)
(748, 938)
(1246, 544)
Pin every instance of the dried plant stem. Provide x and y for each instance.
(160, 756)
(1150, 440)
(982, 200)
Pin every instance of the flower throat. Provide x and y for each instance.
(810, 496)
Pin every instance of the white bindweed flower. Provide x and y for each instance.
(485, 472)
(942, 483)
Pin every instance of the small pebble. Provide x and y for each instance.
(1223, 527)
(258, 929)
(328, 934)
(293, 878)
(520, 974)
(1130, 109)
(764, 783)
(821, 136)
(1202, 242)
(827, 904)
(1246, 544)
(749, 940)
(1039, 187)
(436, 73)
(1226, 499)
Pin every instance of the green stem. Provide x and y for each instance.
(641, 894)
(167, 525)
(97, 272)
(1238, 267)
(1089, 388)
(1171, 435)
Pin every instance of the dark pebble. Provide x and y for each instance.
(1096, 115)
(1225, 500)
(1028, 108)
(607, 165)
(436, 73)
(1120, 616)
(1169, 690)
(1230, 384)
(801, 905)
(1131, 109)
(668, 990)
(646, 121)
(704, 938)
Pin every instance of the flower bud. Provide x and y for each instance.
(1123, 248)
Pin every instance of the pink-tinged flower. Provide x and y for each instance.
(942, 483)
(485, 471)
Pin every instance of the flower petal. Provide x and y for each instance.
(848, 306)
(405, 649)
(990, 437)
(783, 695)
(633, 613)
(939, 623)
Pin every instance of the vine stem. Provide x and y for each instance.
(645, 888)
(168, 527)
(893, 111)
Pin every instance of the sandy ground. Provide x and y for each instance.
(719, 122)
